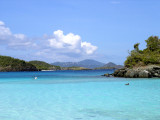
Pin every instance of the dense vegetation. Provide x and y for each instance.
(44, 66)
(12, 64)
(150, 55)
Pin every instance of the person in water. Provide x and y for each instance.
(127, 84)
(35, 77)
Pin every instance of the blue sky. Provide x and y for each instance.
(72, 30)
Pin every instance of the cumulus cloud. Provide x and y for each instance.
(13, 40)
(88, 48)
(115, 2)
(56, 45)
(5, 32)
(1, 23)
(70, 42)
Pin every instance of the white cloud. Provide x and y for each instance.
(20, 36)
(1, 23)
(115, 2)
(56, 45)
(15, 41)
(70, 42)
(88, 48)
(4, 31)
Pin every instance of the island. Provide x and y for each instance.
(8, 64)
(41, 65)
(142, 63)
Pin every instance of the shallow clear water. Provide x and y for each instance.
(77, 95)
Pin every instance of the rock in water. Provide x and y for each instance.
(144, 74)
(138, 72)
(107, 75)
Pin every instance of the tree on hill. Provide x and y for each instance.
(153, 43)
(150, 55)
(11, 64)
(136, 47)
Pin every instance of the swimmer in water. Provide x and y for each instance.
(35, 78)
(127, 84)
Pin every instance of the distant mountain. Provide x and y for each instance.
(88, 63)
(65, 64)
(110, 65)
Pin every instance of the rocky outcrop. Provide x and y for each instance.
(138, 72)
(107, 75)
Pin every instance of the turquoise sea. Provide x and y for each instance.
(77, 95)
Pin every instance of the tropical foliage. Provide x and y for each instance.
(44, 66)
(150, 55)
(11, 64)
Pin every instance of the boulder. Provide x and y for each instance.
(120, 72)
(131, 74)
(107, 75)
(138, 72)
(144, 74)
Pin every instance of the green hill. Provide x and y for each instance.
(149, 56)
(44, 66)
(11, 64)
(74, 68)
